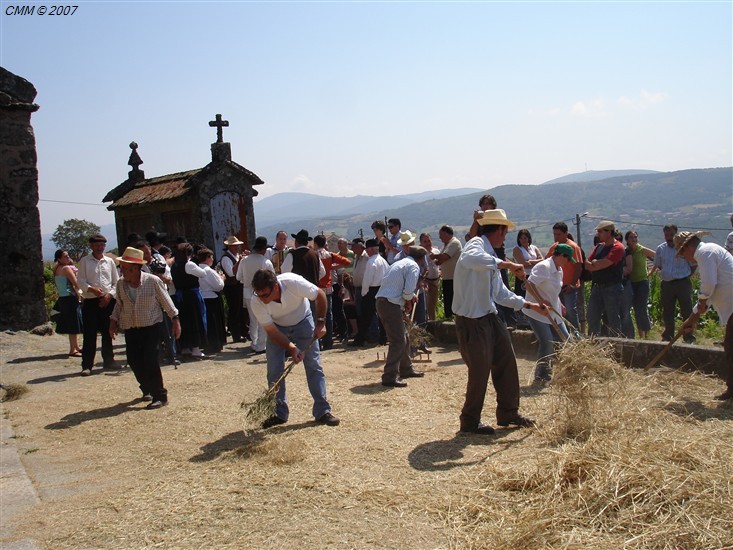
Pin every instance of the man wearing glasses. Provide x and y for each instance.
(606, 266)
(281, 305)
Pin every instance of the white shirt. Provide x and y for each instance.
(547, 277)
(376, 267)
(295, 292)
(211, 283)
(247, 269)
(433, 268)
(359, 264)
(477, 282)
(715, 266)
(97, 273)
(400, 282)
(227, 265)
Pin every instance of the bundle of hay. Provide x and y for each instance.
(626, 465)
(417, 335)
(13, 391)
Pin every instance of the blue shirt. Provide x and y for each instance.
(400, 282)
(670, 267)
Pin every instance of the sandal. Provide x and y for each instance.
(75, 354)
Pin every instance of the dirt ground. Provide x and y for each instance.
(110, 474)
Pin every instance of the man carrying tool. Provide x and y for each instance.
(715, 266)
(281, 305)
(398, 295)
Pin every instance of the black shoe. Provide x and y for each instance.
(157, 404)
(112, 366)
(328, 419)
(147, 397)
(272, 421)
(481, 429)
(725, 396)
(253, 352)
(519, 421)
(356, 344)
(396, 384)
(413, 374)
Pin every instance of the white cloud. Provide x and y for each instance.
(642, 101)
(595, 108)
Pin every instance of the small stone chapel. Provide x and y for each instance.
(205, 205)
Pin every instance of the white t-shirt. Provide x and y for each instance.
(295, 292)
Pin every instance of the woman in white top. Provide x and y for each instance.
(210, 285)
(544, 286)
(527, 254)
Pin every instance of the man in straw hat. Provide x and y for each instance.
(606, 265)
(281, 305)
(397, 295)
(715, 266)
(137, 311)
(98, 280)
(233, 288)
(483, 339)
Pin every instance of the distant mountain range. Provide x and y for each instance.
(642, 200)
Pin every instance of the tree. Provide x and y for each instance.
(73, 236)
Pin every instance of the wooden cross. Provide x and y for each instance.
(219, 123)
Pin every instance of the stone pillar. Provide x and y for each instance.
(21, 279)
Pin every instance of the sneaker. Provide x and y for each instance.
(156, 404)
(272, 421)
(328, 419)
(86, 372)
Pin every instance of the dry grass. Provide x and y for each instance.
(13, 391)
(626, 463)
(645, 464)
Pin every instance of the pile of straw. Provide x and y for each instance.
(416, 334)
(13, 391)
(621, 467)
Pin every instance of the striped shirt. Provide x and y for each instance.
(400, 282)
(670, 267)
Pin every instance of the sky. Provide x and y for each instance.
(374, 98)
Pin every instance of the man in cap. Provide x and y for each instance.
(676, 288)
(138, 311)
(303, 260)
(484, 340)
(281, 305)
(233, 290)
(97, 279)
(376, 267)
(715, 266)
(247, 268)
(606, 264)
(397, 295)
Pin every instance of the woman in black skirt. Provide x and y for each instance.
(68, 321)
(211, 285)
(191, 308)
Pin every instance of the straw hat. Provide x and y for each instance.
(683, 237)
(495, 217)
(406, 238)
(132, 256)
(232, 241)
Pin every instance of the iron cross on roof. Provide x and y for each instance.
(219, 123)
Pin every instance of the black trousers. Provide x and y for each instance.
(368, 311)
(673, 292)
(96, 319)
(237, 322)
(142, 355)
(448, 298)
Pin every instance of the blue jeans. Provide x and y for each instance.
(605, 299)
(546, 335)
(627, 325)
(570, 301)
(301, 335)
(640, 301)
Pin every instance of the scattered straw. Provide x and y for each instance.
(263, 407)
(417, 335)
(13, 391)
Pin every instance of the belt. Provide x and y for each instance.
(675, 280)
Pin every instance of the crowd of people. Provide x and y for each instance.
(181, 304)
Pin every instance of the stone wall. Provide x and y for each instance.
(21, 279)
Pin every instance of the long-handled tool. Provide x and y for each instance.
(694, 317)
(264, 406)
(529, 286)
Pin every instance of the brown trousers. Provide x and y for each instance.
(486, 348)
(398, 354)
